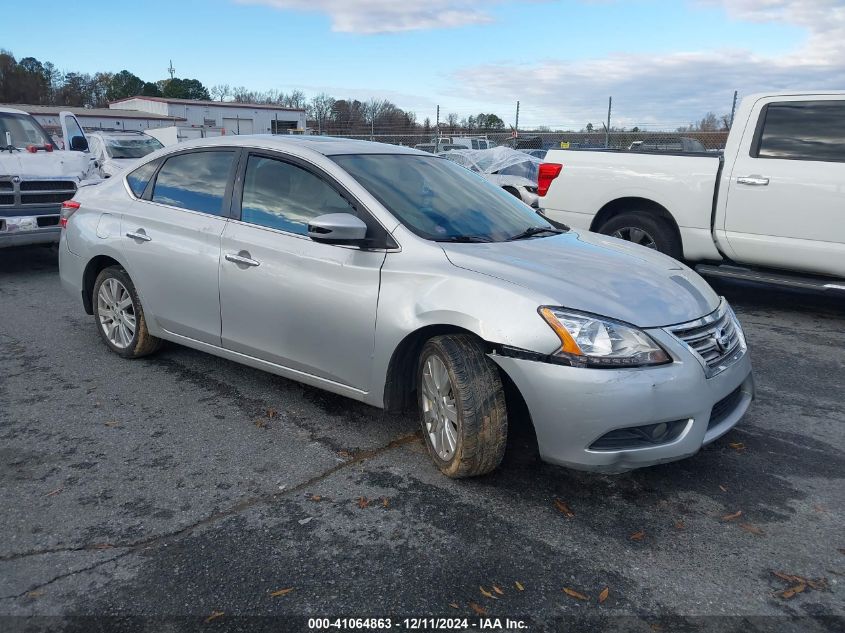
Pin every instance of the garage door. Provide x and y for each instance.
(237, 126)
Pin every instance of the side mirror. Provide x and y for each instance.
(337, 228)
(78, 144)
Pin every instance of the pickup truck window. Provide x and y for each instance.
(803, 130)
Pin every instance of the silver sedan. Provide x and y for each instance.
(393, 277)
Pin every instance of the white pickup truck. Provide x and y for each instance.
(771, 207)
(36, 176)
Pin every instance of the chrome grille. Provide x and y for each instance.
(36, 192)
(716, 339)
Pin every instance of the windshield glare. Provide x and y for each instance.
(131, 147)
(21, 130)
(437, 199)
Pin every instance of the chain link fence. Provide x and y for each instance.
(686, 141)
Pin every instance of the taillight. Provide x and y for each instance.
(548, 172)
(69, 207)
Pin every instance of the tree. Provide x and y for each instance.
(99, 90)
(220, 92)
(452, 122)
(185, 89)
(489, 122)
(123, 85)
(319, 109)
(151, 89)
(589, 127)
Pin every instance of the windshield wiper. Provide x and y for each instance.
(9, 148)
(531, 231)
(464, 238)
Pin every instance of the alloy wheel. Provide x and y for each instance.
(635, 235)
(116, 313)
(440, 413)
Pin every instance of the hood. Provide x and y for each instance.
(595, 273)
(114, 166)
(56, 164)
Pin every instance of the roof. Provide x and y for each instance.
(103, 113)
(225, 104)
(325, 145)
(10, 110)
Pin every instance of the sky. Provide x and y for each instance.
(665, 62)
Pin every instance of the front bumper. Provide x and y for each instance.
(29, 229)
(572, 407)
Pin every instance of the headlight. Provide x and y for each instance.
(591, 341)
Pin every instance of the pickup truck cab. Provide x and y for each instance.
(36, 176)
(770, 207)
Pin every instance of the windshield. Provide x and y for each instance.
(21, 130)
(131, 147)
(439, 200)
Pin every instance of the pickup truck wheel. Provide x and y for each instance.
(462, 403)
(120, 316)
(644, 229)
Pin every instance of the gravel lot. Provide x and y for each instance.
(186, 485)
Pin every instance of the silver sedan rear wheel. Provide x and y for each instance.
(116, 313)
(440, 412)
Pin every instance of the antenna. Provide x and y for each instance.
(171, 70)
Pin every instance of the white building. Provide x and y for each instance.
(99, 118)
(235, 118)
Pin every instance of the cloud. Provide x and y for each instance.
(388, 16)
(670, 89)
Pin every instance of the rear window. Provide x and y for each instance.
(804, 130)
(138, 179)
(195, 181)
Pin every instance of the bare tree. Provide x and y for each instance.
(220, 92)
(452, 121)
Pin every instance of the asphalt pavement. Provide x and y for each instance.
(191, 491)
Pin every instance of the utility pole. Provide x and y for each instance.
(733, 110)
(171, 70)
(607, 127)
(516, 124)
(437, 137)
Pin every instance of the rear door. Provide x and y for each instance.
(284, 298)
(172, 240)
(786, 202)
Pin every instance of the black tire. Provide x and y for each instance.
(657, 230)
(142, 342)
(479, 399)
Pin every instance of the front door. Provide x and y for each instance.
(786, 197)
(286, 299)
(171, 238)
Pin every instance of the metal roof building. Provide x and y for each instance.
(235, 118)
(99, 118)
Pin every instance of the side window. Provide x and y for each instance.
(804, 130)
(195, 181)
(474, 144)
(282, 196)
(138, 178)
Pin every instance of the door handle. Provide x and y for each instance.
(139, 236)
(757, 181)
(241, 259)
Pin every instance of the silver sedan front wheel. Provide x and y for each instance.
(116, 313)
(440, 413)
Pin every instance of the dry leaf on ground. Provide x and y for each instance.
(272, 413)
(316, 498)
(479, 610)
(722, 488)
(637, 536)
(363, 502)
(750, 528)
(604, 594)
(564, 508)
(487, 594)
(680, 525)
(575, 594)
(53, 493)
(520, 587)
(731, 517)
(261, 424)
(498, 590)
(214, 615)
(281, 592)
(737, 446)
(454, 605)
(385, 502)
